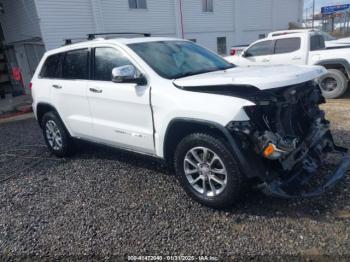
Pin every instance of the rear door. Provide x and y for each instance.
(121, 112)
(69, 92)
(288, 51)
(258, 54)
(317, 44)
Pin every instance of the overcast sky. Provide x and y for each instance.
(320, 3)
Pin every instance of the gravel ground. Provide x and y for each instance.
(107, 202)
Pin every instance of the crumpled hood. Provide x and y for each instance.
(262, 77)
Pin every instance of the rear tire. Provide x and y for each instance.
(334, 84)
(56, 136)
(214, 183)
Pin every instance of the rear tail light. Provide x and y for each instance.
(233, 51)
(30, 86)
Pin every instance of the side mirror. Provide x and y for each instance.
(127, 74)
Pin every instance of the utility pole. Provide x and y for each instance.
(313, 14)
(307, 18)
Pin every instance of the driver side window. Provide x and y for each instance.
(107, 58)
(259, 49)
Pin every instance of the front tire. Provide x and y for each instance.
(56, 136)
(208, 171)
(333, 84)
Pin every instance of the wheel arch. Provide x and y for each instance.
(43, 108)
(341, 64)
(178, 128)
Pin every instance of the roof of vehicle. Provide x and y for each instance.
(295, 31)
(286, 34)
(118, 41)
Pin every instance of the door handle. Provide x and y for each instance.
(95, 90)
(296, 58)
(57, 86)
(265, 60)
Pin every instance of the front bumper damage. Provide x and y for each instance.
(306, 169)
(282, 188)
(289, 140)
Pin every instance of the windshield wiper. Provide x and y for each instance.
(192, 73)
(201, 72)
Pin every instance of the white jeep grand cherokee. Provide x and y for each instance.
(217, 125)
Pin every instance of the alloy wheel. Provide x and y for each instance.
(53, 135)
(205, 171)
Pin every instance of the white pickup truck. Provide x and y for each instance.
(304, 47)
(330, 41)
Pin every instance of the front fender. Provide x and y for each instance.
(240, 156)
(340, 61)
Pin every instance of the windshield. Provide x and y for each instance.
(176, 59)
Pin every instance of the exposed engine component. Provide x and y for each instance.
(290, 137)
(273, 146)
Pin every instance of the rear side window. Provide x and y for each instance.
(259, 49)
(107, 58)
(287, 45)
(75, 64)
(50, 67)
(317, 43)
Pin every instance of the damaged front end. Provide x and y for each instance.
(289, 141)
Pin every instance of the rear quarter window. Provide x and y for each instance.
(50, 68)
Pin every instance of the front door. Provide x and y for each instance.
(121, 113)
(257, 54)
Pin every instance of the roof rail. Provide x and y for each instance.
(69, 41)
(92, 36)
